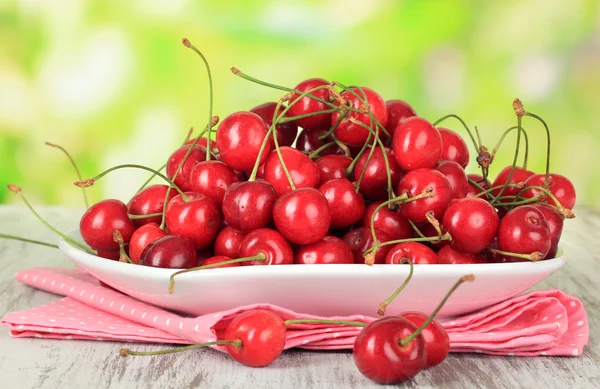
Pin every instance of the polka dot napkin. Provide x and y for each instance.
(537, 323)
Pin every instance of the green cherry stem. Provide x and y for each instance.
(497, 147)
(535, 199)
(146, 216)
(329, 132)
(317, 151)
(520, 111)
(439, 121)
(515, 158)
(446, 236)
(383, 306)
(411, 337)
(535, 256)
(150, 178)
(235, 343)
(19, 192)
(393, 201)
(488, 191)
(262, 150)
(559, 207)
(85, 198)
(118, 238)
(350, 168)
(416, 229)
(13, 237)
(306, 115)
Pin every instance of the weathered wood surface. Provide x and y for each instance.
(38, 363)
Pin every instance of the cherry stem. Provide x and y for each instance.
(146, 216)
(238, 73)
(278, 151)
(306, 115)
(261, 151)
(411, 337)
(150, 178)
(535, 256)
(416, 229)
(487, 191)
(19, 192)
(329, 132)
(435, 223)
(383, 306)
(535, 199)
(342, 146)
(350, 168)
(189, 45)
(85, 198)
(526, 157)
(446, 236)
(364, 170)
(13, 237)
(435, 124)
(125, 351)
(561, 209)
(317, 151)
(520, 112)
(401, 198)
(290, 322)
(258, 257)
(515, 158)
(363, 101)
(118, 238)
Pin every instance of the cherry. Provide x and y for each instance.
(416, 144)
(524, 230)
(218, 259)
(381, 357)
(416, 182)
(196, 155)
(302, 216)
(437, 341)
(328, 250)
(429, 231)
(418, 253)
(100, 220)
(308, 141)
(346, 206)
(560, 186)
(519, 175)
(391, 222)
(142, 237)
(555, 223)
(447, 255)
(249, 205)
(268, 242)
(239, 139)
(472, 223)
(472, 190)
(332, 166)
(454, 147)
(286, 132)
(374, 183)
(398, 110)
(170, 251)
(457, 177)
(196, 218)
(203, 255)
(212, 179)
(148, 201)
(353, 134)
(361, 239)
(112, 255)
(262, 336)
(228, 242)
(306, 105)
(302, 169)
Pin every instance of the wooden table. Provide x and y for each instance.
(38, 363)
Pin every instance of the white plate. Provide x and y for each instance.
(327, 290)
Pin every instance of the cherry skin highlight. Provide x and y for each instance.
(374, 184)
(454, 147)
(353, 134)
(286, 132)
(416, 144)
(248, 205)
(268, 242)
(198, 154)
(302, 169)
(228, 242)
(198, 219)
(100, 221)
(329, 250)
(212, 179)
(457, 177)
(398, 110)
(560, 186)
(346, 206)
(524, 230)
(414, 183)
(142, 237)
(171, 252)
(306, 105)
(239, 139)
(302, 216)
(331, 167)
(391, 222)
(447, 255)
(148, 201)
(472, 223)
(418, 253)
(361, 239)
(437, 341)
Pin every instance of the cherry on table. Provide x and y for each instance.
(286, 132)
(472, 222)
(418, 253)
(197, 218)
(415, 183)
(331, 167)
(100, 221)
(171, 252)
(228, 242)
(391, 222)
(555, 223)
(361, 240)
(212, 179)
(560, 186)
(197, 154)
(437, 341)
(329, 250)
(524, 230)
(454, 147)
(346, 206)
(447, 255)
(306, 105)
(148, 201)
(248, 205)
(374, 184)
(416, 144)
(268, 242)
(459, 184)
(398, 110)
(302, 169)
(141, 238)
(302, 216)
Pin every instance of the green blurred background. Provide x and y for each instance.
(111, 82)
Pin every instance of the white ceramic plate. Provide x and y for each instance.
(327, 290)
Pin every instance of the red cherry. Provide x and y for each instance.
(262, 335)
(472, 191)
(472, 223)
(524, 230)
(142, 237)
(398, 110)
(454, 147)
(418, 253)
(519, 175)
(447, 255)
(112, 255)
(268, 242)
(350, 133)
(147, 201)
(437, 341)
(99, 222)
(171, 252)
(414, 183)
(374, 182)
(560, 186)
(249, 205)
(302, 169)
(429, 231)
(555, 223)
(361, 239)
(239, 139)
(306, 105)
(331, 167)
(197, 219)
(203, 142)
(286, 132)
(198, 154)
(346, 206)
(416, 144)
(302, 216)
(228, 242)
(328, 250)
(391, 222)
(203, 255)
(457, 177)
(379, 355)
(218, 259)
(212, 179)
(308, 141)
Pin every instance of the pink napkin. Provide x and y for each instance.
(537, 323)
